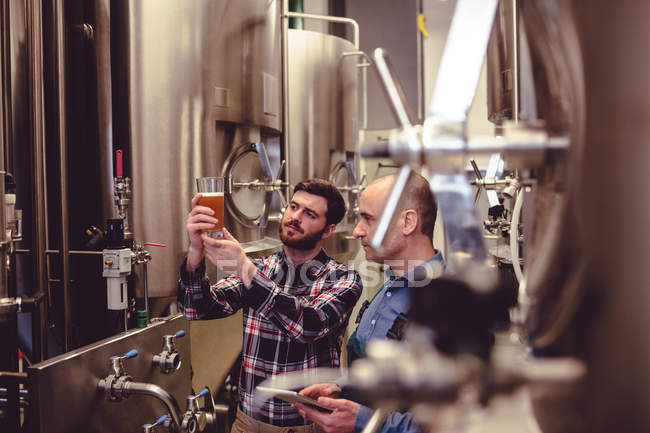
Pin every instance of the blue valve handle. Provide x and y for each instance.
(180, 334)
(131, 354)
(161, 420)
(204, 392)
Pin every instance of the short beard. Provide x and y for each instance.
(306, 243)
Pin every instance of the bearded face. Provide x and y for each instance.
(294, 236)
(304, 222)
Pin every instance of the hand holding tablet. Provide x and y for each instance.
(292, 397)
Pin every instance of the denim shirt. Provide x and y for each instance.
(391, 300)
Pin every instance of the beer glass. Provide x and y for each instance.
(211, 189)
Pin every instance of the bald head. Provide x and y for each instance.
(417, 196)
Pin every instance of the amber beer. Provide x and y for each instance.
(214, 200)
(211, 189)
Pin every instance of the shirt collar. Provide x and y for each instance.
(434, 265)
(317, 263)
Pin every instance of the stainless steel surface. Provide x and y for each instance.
(393, 88)
(5, 101)
(60, 40)
(122, 199)
(355, 39)
(420, 67)
(251, 185)
(71, 252)
(245, 201)
(462, 60)
(63, 389)
(341, 245)
(514, 17)
(364, 65)
(102, 42)
(145, 285)
(6, 109)
(323, 102)
(221, 63)
(494, 170)
(618, 390)
(466, 252)
(37, 143)
(503, 64)
(553, 255)
(149, 389)
(284, 54)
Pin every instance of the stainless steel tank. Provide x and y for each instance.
(323, 103)
(204, 83)
(204, 78)
(503, 64)
(323, 125)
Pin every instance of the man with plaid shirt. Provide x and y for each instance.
(296, 303)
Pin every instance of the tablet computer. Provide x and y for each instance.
(293, 397)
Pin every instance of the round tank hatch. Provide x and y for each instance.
(247, 199)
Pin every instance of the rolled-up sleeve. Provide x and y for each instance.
(200, 301)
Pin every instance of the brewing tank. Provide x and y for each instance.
(204, 84)
(204, 78)
(323, 103)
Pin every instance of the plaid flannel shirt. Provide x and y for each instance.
(294, 319)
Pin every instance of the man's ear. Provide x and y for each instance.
(328, 231)
(410, 219)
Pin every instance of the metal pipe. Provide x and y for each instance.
(285, 92)
(51, 252)
(146, 290)
(22, 402)
(6, 86)
(21, 392)
(102, 43)
(355, 27)
(59, 35)
(515, 62)
(393, 88)
(420, 67)
(364, 85)
(156, 392)
(37, 142)
(364, 102)
(75, 252)
(353, 23)
(4, 135)
(514, 237)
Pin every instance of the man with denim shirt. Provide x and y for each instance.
(296, 303)
(409, 253)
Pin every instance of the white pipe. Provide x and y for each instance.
(355, 25)
(514, 236)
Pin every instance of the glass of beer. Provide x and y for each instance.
(211, 189)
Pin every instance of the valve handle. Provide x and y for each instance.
(131, 354)
(203, 393)
(155, 244)
(119, 163)
(160, 420)
(180, 334)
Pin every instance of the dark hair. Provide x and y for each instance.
(421, 198)
(325, 189)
